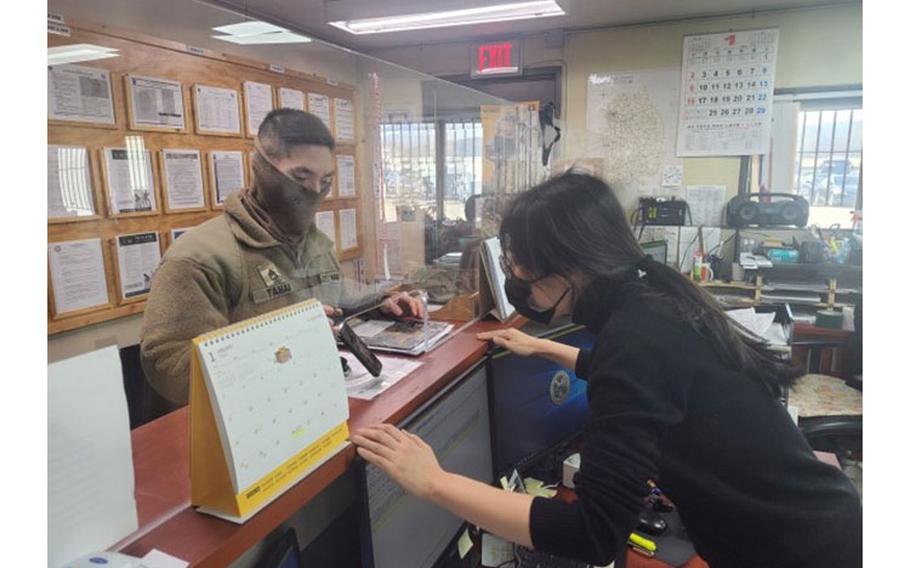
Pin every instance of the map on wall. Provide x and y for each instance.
(631, 122)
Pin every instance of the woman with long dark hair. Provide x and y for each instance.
(677, 393)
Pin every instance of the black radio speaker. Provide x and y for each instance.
(748, 210)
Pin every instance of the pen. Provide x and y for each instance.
(642, 542)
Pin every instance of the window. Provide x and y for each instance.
(826, 162)
(412, 180)
(829, 157)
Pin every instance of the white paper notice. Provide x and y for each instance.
(69, 182)
(688, 244)
(291, 98)
(706, 202)
(347, 185)
(348, 228)
(77, 275)
(156, 102)
(217, 110)
(129, 180)
(183, 179)
(727, 88)
(258, 98)
(90, 484)
(227, 173)
(325, 222)
(319, 105)
(137, 256)
(671, 176)
(361, 384)
(344, 120)
(82, 94)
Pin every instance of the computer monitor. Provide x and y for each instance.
(401, 530)
(657, 250)
(285, 553)
(536, 404)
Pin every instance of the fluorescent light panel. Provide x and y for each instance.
(467, 16)
(77, 52)
(257, 33)
(277, 37)
(251, 28)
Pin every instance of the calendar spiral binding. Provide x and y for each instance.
(237, 329)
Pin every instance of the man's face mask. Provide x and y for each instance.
(290, 201)
(518, 292)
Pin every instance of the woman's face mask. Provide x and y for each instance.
(520, 294)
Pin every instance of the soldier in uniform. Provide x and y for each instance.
(262, 254)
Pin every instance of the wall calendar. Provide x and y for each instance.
(726, 93)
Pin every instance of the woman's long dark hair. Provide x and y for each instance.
(573, 223)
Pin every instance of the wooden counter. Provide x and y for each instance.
(161, 461)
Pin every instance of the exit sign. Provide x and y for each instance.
(496, 59)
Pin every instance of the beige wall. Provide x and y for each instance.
(187, 22)
(818, 47)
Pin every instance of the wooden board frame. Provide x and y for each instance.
(337, 181)
(213, 186)
(145, 55)
(97, 192)
(112, 247)
(116, 101)
(334, 116)
(245, 115)
(201, 131)
(156, 184)
(56, 316)
(131, 113)
(162, 174)
(277, 96)
(354, 252)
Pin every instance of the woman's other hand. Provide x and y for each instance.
(403, 456)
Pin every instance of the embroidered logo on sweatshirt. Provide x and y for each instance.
(275, 283)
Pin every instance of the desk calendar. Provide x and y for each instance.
(726, 93)
(267, 404)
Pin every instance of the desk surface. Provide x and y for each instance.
(161, 462)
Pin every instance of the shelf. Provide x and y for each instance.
(731, 285)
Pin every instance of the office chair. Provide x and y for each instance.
(841, 434)
(143, 402)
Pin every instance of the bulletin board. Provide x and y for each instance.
(147, 57)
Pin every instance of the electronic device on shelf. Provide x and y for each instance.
(662, 211)
(758, 209)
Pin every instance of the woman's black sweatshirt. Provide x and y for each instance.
(664, 406)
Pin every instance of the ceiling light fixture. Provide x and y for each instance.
(258, 33)
(77, 52)
(467, 16)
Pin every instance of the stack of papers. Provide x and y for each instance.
(760, 325)
(361, 384)
(751, 261)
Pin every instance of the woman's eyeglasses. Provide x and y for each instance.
(508, 267)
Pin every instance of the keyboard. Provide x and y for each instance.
(527, 558)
